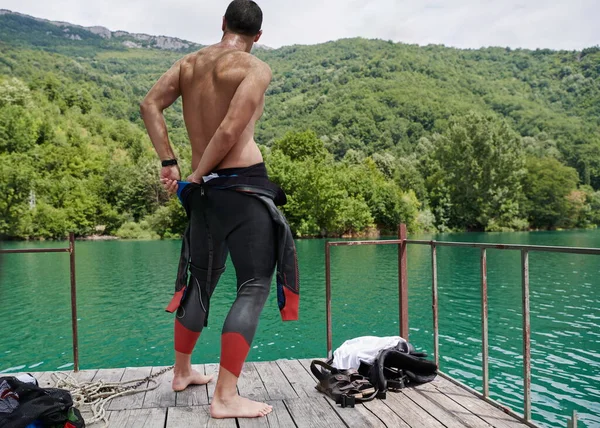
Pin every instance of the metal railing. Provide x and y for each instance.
(71, 250)
(402, 242)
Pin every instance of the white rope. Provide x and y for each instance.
(96, 395)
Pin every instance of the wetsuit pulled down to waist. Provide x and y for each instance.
(222, 222)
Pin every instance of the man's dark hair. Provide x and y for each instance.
(244, 17)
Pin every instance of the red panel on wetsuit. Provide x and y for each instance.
(291, 308)
(234, 350)
(185, 339)
(175, 301)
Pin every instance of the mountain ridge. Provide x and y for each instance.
(127, 39)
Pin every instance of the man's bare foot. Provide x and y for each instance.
(238, 407)
(182, 380)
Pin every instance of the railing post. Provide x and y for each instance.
(403, 282)
(572, 423)
(526, 336)
(74, 302)
(436, 338)
(328, 299)
(484, 324)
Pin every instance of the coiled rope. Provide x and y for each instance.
(96, 395)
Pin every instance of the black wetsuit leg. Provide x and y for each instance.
(221, 220)
(207, 250)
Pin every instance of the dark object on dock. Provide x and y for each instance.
(397, 368)
(49, 406)
(345, 387)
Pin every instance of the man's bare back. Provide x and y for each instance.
(209, 79)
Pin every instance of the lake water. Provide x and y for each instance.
(123, 288)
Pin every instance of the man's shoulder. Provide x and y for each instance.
(236, 66)
(243, 60)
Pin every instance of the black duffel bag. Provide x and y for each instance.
(51, 407)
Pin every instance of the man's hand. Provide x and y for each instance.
(169, 175)
(193, 179)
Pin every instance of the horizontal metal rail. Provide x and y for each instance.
(71, 250)
(36, 250)
(540, 248)
(402, 244)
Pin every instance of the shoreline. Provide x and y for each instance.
(371, 234)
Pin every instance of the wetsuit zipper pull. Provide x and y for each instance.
(202, 191)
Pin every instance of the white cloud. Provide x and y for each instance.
(556, 24)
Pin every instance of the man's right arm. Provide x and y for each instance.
(243, 106)
(164, 93)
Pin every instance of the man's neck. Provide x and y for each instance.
(237, 42)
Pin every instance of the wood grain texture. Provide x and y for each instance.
(313, 413)
(250, 385)
(275, 382)
(494, 416)
(138, 418)
(303, 383)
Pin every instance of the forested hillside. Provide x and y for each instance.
(362, 134)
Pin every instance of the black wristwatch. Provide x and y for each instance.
(169, 162)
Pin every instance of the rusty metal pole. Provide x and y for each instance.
(526, 336)
(484, 325)
(74, 302)
(328, 299)
(436, 337)
(403, 282)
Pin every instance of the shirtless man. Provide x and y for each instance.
(223, 90)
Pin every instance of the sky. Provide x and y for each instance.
(554, 24)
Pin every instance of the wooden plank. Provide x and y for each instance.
(193, 395)
(250, 384)
(463, 414)
(211, 370)
(494, 416)
(133, 401)
(410, 412)
(193, 417)
(313, 413)
(84, 375)
(302, 382)
(275, 382)
(108, 375)
(138, 418)
(387, 415)
(441, 413)
(357, 417)
(279, 418)
(163, 395)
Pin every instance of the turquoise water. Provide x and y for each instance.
(123, 288)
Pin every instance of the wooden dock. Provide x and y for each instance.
(289, 387)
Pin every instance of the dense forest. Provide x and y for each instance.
(361, 134)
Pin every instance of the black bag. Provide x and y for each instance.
(396, 368)
(52, 407)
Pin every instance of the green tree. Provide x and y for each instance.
(474, 177)
(547, 185)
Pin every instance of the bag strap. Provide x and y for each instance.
(319, 373)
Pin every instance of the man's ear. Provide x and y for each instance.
(257, 38)
(224, 26)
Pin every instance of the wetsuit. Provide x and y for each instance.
(232, 214)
